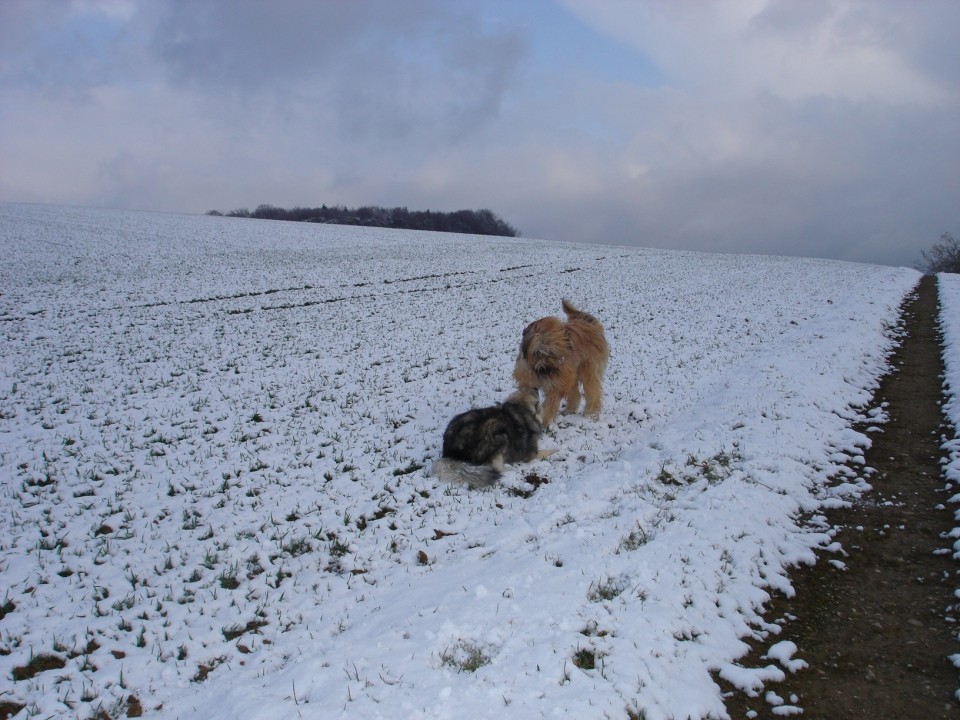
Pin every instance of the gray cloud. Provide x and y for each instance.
(381, 71)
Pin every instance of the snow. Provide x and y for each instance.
(214, 435)
(783, 653)
(949, 291)
(948, 285)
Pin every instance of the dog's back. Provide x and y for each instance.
(478, 442)
(483, 436)
(585, 331)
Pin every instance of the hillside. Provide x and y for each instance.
(215, 436)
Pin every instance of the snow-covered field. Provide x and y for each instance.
(215, 436)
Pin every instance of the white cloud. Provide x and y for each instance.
(853, 49)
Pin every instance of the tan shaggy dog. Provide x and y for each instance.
(557, 356)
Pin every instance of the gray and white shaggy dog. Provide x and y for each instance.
(477, 443)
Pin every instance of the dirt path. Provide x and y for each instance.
(878, 634)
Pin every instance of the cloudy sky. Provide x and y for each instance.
(826, 128)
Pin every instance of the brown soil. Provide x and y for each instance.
(877, 635)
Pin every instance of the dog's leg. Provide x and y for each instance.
(544, 454)
(573, 398)
(550, 406)
(593, 389)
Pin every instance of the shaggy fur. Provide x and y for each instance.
(557, 356)
(477, 443)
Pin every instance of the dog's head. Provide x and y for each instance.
(528, 397)
(544, 345)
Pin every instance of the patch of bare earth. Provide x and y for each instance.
(878, 634)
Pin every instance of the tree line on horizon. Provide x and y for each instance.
(469, 222)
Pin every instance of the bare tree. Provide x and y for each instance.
(944, 256)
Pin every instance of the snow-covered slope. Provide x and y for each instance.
(214, 442)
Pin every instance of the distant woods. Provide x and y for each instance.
(470, 222)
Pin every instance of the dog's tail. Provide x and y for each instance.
(456, 471)
(573, 313)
